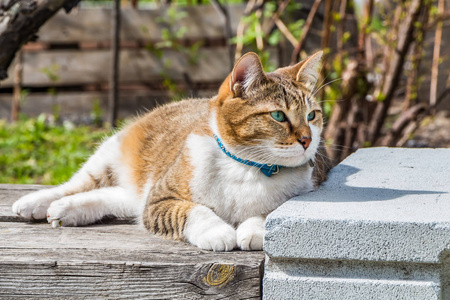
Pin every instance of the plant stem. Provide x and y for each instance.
(114, 80)
(298, 48)
(435, 64)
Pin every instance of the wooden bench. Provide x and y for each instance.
(115, 259)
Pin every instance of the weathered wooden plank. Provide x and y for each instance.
(114, 261)
(78, 106)
(93, 24)
(74, 67)
(118, 261)
(122, 281)
(103, 242)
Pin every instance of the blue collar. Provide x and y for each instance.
(267, 169)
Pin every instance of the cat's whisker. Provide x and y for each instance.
(323, 80)
(337, 147)
(252, 149)
(331, 100)
(328, 83)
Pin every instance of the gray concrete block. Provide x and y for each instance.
(379, 228)
(315, 288)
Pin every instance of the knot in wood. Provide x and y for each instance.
(219, 274)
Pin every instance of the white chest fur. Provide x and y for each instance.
(236, 192)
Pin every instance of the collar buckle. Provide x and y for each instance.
(277, 170)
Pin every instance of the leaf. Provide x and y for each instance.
(346, 36)
(181, 32)
(274, 38)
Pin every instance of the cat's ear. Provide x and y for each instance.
(247, 72)
(309, 71)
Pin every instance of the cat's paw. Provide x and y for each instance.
(250, 234)
(70, 211)
(206, 230)
(61, 213)
(219, 238)
(34, 206)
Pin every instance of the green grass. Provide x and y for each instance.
(35, 151)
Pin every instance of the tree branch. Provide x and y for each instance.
(401, 123)
(306, 28)
(23, 26)
(281, 7)
(435, 63)
(241, 28)
(439, 18)
(442, 96)
(412, 84)
(340, 30)
(284, 30)
(405, 34)
(113, 99)
(223, 12)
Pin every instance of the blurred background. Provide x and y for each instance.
(68, 79)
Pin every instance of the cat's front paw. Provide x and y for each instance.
(70, 211)
(33, 206)
(219, 238)
(206, 230)
(250, 234)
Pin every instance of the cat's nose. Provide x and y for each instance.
(305, 141)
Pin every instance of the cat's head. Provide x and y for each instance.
(270, 118)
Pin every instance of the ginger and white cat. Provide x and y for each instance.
(206, 171)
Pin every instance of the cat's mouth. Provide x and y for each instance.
(288, 156)
(293, 156)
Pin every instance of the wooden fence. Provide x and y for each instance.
(68, 67)
(69, 64)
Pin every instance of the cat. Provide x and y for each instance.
(205, 171)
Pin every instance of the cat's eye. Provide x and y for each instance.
(278, 116)
(311, 116)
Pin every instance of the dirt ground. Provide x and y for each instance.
(434, 132)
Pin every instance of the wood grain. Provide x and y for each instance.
(78, 106)
(115, 262)
(74, 67)
(93, 24)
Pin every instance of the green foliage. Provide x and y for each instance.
(52, 72)
(172, 33)
(265, 60)
(333, 86)
(56, 112)
(434, 11)
(380, 97)
(170, 39)
(249, 38)
(40, 152)
(378, 26)
(346, 37)
(251, 34)
(296, 28)
(158, 2)
(97, 113)
(275, 38)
